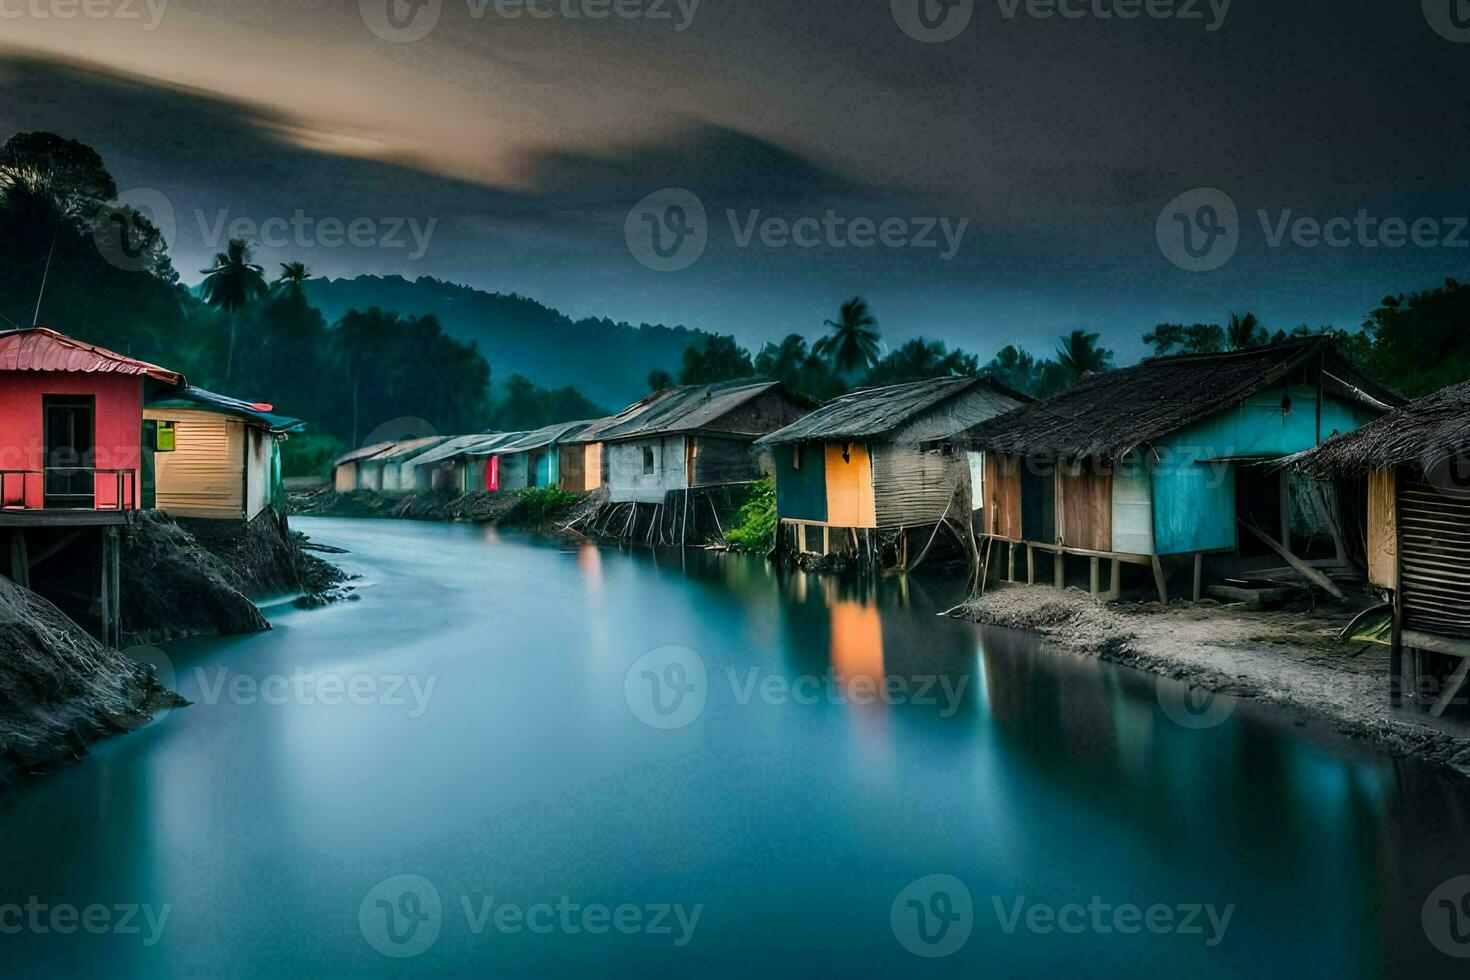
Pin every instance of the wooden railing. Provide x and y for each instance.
(123, 483)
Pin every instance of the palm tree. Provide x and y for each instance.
(1080, 354)
(1244, 331)
(233, 284)
(852, 345)
(293, 274)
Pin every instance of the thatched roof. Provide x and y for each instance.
(1108, 415)
(877, 414)
(1423, 433)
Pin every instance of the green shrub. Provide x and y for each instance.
(310, 454)
(755, 524)
(542, 505)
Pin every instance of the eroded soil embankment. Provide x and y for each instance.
(1283, 658)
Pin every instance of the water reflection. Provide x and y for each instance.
(1018, 770)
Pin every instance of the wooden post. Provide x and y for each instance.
(20, 562)
(1059, 570)
(1285, 510)
(1451, 688)
(826, 540)
(1199, 575)
(1011, 561)
(116, 587)
(1159, 580)
(1115, 580)
(1030, 565)
(1396, 653)
(1095, 574)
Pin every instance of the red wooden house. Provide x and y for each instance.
(71, 425)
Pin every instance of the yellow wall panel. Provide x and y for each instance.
(850, 487)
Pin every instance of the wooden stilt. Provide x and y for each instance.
(1396, 654)
(1095, 573)
(20, 563)
(826, 540)
(1115, 580)
(1199, 575)
(1159, 579)
(1030, 565)
(1451, 688)
(1059, 570)
(1010, 561)
(1285, 510)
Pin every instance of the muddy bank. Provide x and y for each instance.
(1290, 659)
(539, 510)
(61, 690)
(191, 578)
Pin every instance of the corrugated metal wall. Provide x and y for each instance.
(205, 474)
(1434, 541)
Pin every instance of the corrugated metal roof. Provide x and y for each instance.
(192, 397)
(41, 349)
(595, 430)
(461, 445)
(399, 451)
(366, 452)
(877, 412)
(688, 408)
(537, 439)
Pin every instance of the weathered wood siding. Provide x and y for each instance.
(626, 479)
(1039, 501)
(1133, 508)
(344, 477)
(1383, 550)
(717, 461)
(1087, 506)
(912, 487)
(1434, 555)
(850, 498)
(573, 460)
(1003, 496)
(205, 474)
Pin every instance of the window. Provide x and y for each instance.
(647, 460)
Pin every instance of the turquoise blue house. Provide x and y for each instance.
(1172, 457)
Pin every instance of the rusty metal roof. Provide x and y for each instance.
(41, 349)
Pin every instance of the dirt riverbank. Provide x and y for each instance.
(1290, 659)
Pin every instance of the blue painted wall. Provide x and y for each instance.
(1194, 489)
(801, 494)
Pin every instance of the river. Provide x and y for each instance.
(512, 757)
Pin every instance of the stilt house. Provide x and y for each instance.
(882, 459)
(1416, 461)
(1167, 458)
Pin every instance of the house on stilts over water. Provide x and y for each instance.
(855, 477)
(75, 464)
(1414, 465)
(1170, 459)
(673, 467)
(223, 458)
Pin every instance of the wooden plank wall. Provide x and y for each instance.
(850, 501)
(1003, 496)
(1383, 556)
(205, 474)
(1087, 506)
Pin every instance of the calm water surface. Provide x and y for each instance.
(494, 751)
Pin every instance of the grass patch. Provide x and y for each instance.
(542, 505)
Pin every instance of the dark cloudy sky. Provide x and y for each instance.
(517, 146)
